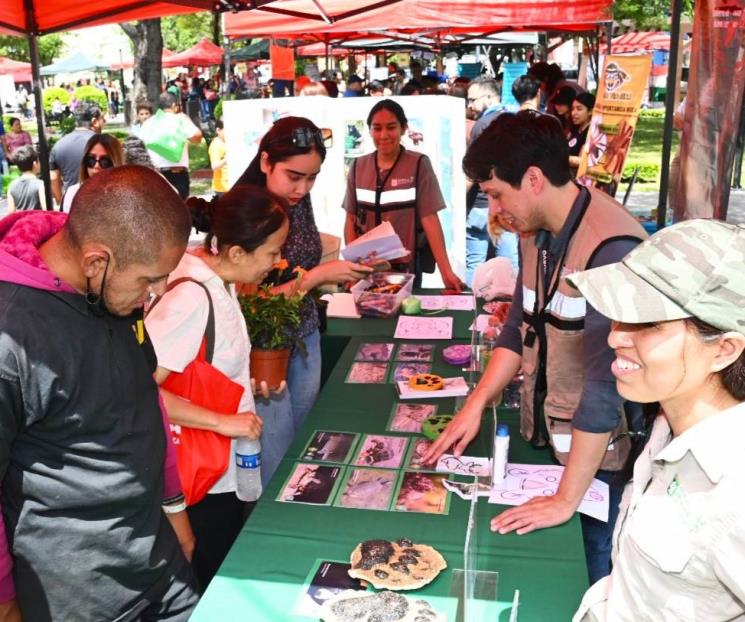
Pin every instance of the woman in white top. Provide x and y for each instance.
(245, 230)
(678, 332)
(101, 151)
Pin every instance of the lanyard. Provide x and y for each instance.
(380, 183)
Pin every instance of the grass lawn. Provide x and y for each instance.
(646, 152)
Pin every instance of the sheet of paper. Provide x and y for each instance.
(463, 465)
(417, 327)
(450, 303)
(465, 489)
(341, 305)
(453, 387)
(525, 481)
(383, 241)
(482, 322)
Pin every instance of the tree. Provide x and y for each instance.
(180, 32)
(147, 40)
(50, 47)
(648, 14)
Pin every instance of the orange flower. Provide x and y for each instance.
(281, 265)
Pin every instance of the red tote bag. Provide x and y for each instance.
(202, 455)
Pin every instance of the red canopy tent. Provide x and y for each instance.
(640, 42)
(203, 54)
(128, 64)
(20, 71)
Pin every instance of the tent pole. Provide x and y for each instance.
(226, 44)
(740, 142)
(33, 47)
(667, 134)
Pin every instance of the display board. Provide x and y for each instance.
(436, 128)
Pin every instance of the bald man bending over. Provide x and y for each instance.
(84, 457)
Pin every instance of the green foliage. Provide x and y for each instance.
(119, 134)
(268, 316)
(92, 94)
(649, 173)
(198, 157)
(648, 14)
(49, 94)
(67, 124)
(180, 32)
(218, 110)
(50, 47)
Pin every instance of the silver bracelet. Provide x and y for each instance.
(174, 509)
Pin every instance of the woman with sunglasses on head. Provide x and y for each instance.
(399, 186)
(288, 161)
(101, 151)
(245, 229)
(678, 332)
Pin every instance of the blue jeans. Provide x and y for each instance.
(478, 242)
(597, 535)
(277, 433)
(304, 378)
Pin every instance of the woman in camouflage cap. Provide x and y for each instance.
(678, 308)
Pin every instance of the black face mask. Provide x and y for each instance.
(96, 301)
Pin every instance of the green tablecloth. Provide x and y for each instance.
(262, 576)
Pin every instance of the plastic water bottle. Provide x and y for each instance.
(248, 469)
(501, 449)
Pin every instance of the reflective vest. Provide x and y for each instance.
(553, 358)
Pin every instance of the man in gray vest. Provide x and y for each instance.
(568, 398)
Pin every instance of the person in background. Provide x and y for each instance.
(135, 152)
(399, 186)
(416, 70)
(527, 92)
(568, 399)
(91, 500)
(287, 163)
(176, 171)
(485, 104)
(3, 150)
(581, 116)
(68, 151)
(313, 89)
(354, 86)
(16, 138)
(144, 112)
(102, 151)
(376, 89)
(219, 160)
(561, 102)
(412, 87)
(246, 228)
(27, 191)
(678, 337)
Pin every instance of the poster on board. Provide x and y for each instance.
(436, 128)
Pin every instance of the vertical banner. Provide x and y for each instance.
(622, 84)
(715, 88)
(510, 73)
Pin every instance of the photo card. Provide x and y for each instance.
(328, 446)
(408, 418)
(417, 352)
(417, 448)
(366, 489)
(367, 373)
(311, 483)
(401, 372)
(422, 492)
(374, 352)
(378, 450)
(326, 580)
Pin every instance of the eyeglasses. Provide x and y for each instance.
(471, 100)
(306, 137)
(90, 161)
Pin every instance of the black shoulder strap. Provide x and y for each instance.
(417, 220)
(209, 330)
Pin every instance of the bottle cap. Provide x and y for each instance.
(503, 430)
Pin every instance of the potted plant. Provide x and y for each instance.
(270, 319)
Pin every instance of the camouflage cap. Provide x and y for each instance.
(692, 269)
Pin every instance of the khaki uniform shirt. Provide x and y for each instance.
(679, 544)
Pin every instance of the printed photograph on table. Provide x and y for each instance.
(311, 483)
(366, 489)
(422, 492)
(415, 352)
(325, 580)
(410, 327)
(374, 352)
(401, 372)
(367, 373)
(327, 446)
(417, 448)
(408, 417)
(377, 450)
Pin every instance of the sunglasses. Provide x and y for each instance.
(305, 137)
(90, 161)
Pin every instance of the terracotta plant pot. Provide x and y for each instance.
(269, 366)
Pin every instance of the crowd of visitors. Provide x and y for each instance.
(631, 348)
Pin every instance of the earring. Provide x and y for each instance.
(91, 298)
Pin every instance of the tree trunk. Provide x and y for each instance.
(148, 50)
